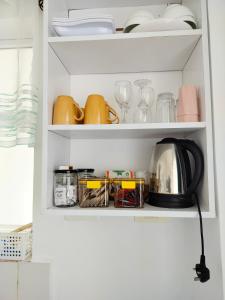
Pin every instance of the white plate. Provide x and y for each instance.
(88, 18)
(84, 28)
(82, 22)
(162, 25)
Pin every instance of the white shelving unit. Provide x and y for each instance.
(126, 52)
(12, 44)
(147, 211)
(79, 66)
(121, 131)
(80, 4)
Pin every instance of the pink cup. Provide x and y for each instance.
(187, 107)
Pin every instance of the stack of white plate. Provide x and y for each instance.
(91, 25)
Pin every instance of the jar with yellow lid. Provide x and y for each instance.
(129, 193)
(93, 192)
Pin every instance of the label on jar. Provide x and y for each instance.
(93, 184)
(72, 193)
(60, 196)
(128, 185)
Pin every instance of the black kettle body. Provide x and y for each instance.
(173, 181)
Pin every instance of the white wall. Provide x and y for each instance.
(117, 258)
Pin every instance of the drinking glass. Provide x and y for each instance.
(146, 93)
(123, 93)
(165, 108)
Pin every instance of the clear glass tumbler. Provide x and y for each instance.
(165, 108)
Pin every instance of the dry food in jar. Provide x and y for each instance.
(129, 193)
(65, 187)
(117, 174)
(93, 192)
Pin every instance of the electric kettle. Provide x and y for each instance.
(174, 178)
(174, 174)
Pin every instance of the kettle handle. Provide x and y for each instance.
(196, 152)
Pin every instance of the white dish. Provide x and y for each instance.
(139, 17)
(177, 11)
(81, 21)
(85, 27)
(84, 19)
(162, 25)
(180, 12)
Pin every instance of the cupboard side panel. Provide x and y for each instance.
(197, 72)
(58, 154)
(58, 81)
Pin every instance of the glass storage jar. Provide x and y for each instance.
(65, 187)
(129, 192)
(112, 174)
(146, 176)
(94, 192)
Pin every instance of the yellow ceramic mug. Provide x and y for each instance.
(67, 111)
(97, 111)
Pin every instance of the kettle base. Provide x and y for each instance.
(170, 201)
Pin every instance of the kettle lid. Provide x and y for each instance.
(168, 141)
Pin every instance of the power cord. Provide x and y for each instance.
(41, 4)
(203, 273)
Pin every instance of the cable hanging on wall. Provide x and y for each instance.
(41, 4)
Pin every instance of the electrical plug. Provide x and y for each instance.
(203, 273)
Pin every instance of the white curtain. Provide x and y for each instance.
(18, 74)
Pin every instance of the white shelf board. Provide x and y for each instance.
(15, 43)
(129, 52)
(121, 131)
(147, 211)
(80, 4)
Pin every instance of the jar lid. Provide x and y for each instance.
(136, 180)
(65, 170)
(85, 170)
(96, 179)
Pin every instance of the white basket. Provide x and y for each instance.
(15, 245)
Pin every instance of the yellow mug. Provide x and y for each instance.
(97, 111)
(66, 111)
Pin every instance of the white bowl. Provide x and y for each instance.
(177, 11)
(180, 12)
(137, 18)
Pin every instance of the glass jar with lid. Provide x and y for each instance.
(146, 176)
(65, 187)
(129, 193)
(94, 192)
